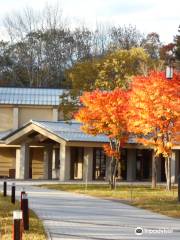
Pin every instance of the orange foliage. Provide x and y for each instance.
(111, 152)
(105, 112)
(154, 111)
(151, 110)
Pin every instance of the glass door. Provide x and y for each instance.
(77, 155)
(99, 164)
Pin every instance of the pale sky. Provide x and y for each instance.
(161, 16)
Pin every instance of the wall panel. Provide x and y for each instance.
(7, 161)
(37, 163)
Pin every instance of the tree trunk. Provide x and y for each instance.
(113, 174)
(154, 171)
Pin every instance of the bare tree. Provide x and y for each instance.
(125, 37)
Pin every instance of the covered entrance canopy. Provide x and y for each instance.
(56, 140)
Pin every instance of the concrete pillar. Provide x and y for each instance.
(131, 164)
(17, 163)
(15, 118)
(22, 162)
(47, 163)
(159, 169)
(174, 166)
(65, 157)
(178, 163)
(55, 114)
(158, 165)
(55, 163)
(88, 164)
(53, 159)
(108, 168)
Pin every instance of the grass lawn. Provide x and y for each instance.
(158, 200)
(6, 211)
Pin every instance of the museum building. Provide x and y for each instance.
(35, 143)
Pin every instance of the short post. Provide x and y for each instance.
(179, 188)
(13, 193)
(22, 192)
(5, 189)
(17, 225)
(25, 211)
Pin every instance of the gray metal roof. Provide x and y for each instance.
(67, 130)
(30, 96)
(5, 133)
(70, 131)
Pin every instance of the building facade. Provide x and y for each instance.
(35, 143)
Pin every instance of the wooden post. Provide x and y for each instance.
(5, 189)
(22, 192)
(25, 211)
(13, 193)
(17, 225)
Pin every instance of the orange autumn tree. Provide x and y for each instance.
(154, 112)
(105, 113)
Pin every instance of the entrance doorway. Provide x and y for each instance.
(36, 159)
(77, 156)
(143, 164)
(123, 171)
(99, 164)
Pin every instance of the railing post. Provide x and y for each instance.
(25, 210)
(22, 192)
(17, 225)
(5, 189)
(13, 193)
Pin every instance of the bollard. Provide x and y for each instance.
(5, 189)
(179, 188)
(22, 192)
(17, 225)
(25, 211)
(13, 193)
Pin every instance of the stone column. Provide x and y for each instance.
(55, 163)
(15, 118)
(47, 163)
(65, 157)
(174, 166)
(177, 163)
(108, 168)
(55, 114)
(159, 169)
(131, 164)
(158, 166)
(88, 164)
(17, 163)
(22, 162)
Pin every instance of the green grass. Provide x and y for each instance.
(158, 200)
(36, 231)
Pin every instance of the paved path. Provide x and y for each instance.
(72, 216)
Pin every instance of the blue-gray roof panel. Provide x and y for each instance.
(30, 96)
(70, 131)
(5, 133)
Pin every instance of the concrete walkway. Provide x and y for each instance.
(73, 216)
